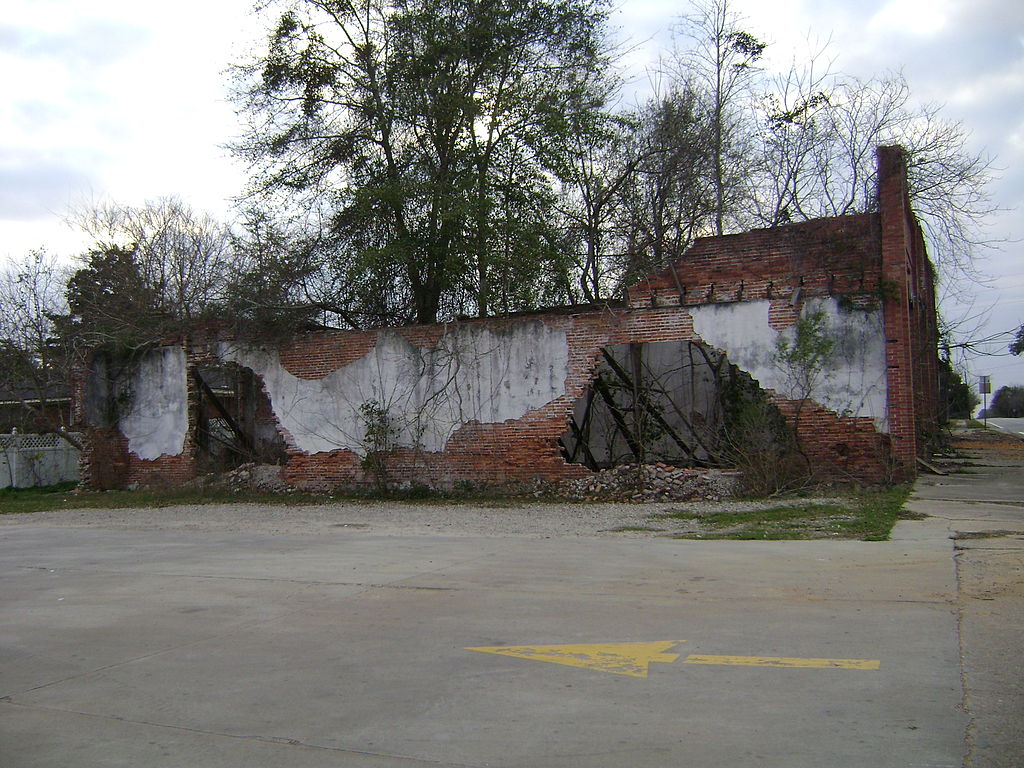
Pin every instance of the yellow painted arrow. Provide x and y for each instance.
(782, 661)
(618, 658)
(633, 659)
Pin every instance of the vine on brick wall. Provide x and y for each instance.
(380, 434)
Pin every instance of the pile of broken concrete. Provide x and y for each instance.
(656, 482)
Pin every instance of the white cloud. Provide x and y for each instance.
(115, 99)
(1004, 84)
(915, 18)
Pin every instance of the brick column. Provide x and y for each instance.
(897, 277)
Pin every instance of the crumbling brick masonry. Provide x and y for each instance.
(487, 401)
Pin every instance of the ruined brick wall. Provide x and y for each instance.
(519, 453)
(738, 294)
(514, 453)
(834, 256)
(910, 318)
(107, 460)
(103, 461)
(786, 267)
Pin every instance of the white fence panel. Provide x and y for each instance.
(32, 461)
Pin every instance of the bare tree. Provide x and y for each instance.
(184, 257)
(789, 132)
(675, 197)
(600, 170)
(286, 279)
(719, 57)
(821, 131)
(34, 360)
(635, 201)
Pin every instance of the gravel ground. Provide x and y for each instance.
(499, 518)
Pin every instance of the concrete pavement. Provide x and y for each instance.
(981, 506)
(177, 648)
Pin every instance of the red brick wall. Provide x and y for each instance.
(103, 462)
(521, 453)
(839, 447)
(910, 321)
(835, 256)
(863, 259)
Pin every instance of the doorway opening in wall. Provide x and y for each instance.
(235, 422)
(681, 404)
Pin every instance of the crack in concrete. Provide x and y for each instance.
(972, 502)
(965, 701)
(211, 577)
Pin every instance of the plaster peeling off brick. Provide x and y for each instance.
(485, 401)
(472, 374)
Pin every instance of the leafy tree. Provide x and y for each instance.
(961, 398)
(1007, 403)
(1017, 345)
(422, 139)
(111, 305)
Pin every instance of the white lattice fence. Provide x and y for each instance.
(31, 461)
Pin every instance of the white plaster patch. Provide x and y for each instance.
(473, 375)
(156, 419)
(853, 385)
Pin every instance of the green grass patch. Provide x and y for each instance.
(865, 515)
(21, 501)
(15, 501)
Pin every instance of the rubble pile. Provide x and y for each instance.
(656, 482)
(258, 478)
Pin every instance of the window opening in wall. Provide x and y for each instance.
(679, 403)
(647, 403)
(235, 422)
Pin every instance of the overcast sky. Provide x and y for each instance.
(126, 100)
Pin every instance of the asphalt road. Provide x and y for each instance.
(172, 648)
(178, 647)
(1010, 426)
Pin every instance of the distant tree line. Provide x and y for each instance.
(1007, 403)
(414, 161)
